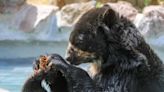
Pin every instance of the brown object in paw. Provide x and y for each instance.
(43, 62)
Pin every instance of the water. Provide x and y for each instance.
(13, 77)
(16, 60)
(157, 44)
(21, 49)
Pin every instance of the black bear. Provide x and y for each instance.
(121, 59)
(59, 76)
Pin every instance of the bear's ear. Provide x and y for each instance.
(109, 17)
(106, 20)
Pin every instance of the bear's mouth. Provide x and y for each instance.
(77, 56)
(79, 60)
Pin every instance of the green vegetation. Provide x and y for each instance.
(146, 2)
(99, 4)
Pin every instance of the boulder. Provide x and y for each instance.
(151, 22)
(151, 25)
(69, 14)
(29, 22)
(10, 5)
(125, 9)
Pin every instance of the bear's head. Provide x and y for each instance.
(101, 34)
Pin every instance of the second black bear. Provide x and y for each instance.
(60, 77)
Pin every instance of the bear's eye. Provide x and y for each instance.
(90, 47)
(71, 50)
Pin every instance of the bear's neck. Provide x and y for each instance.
(95, 68)
(118, 81)
(120, 65)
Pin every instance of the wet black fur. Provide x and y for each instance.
(33, 84)
(53, 77)
(128, 62)
(61, 77)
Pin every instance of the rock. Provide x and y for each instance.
(126, 9)
(136, 3)
(29, 22)
(10, 5)
(30, 17)
(133, 2)
(61, 3)
(154, 10)
(151, 25)
(151, 22)
(69, 14)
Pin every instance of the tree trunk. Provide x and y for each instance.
(154, 2)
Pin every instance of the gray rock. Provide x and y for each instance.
(151, 22)
(151, 25)
(7, 6)
(70, 14)
(30, 22)
(125, 9)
